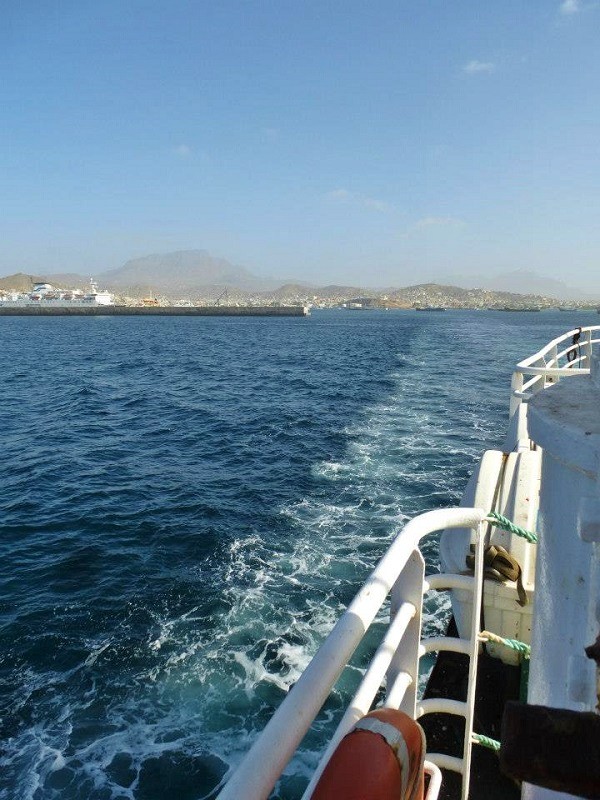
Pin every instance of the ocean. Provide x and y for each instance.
(189, 504)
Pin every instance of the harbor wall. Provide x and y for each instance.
(155, 311)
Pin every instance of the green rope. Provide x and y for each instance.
(512, 644)
(506, 525)
(485, 741)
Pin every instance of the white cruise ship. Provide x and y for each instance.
(47, 296)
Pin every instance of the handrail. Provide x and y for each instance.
(559, 372)
(549, 365)
(554, 343)
(266, 760)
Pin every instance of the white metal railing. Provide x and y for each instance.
(567, 356)
(563, 357)
(400, 574)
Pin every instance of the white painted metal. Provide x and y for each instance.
(474, 637)
(441, 705)
(370, 684)
(435, 780)
(447, 762)
(401, 682)
(550, 364)
(264, 763)
(408, 587)
(396, 691)
(507, 483)
(565, 421)
(403, 673)
(449, 643)
(443, 581)
(454, 545)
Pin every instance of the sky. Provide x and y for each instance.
(372, 143)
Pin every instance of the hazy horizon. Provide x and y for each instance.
(521, 282)
(458, 279)
(375, 146)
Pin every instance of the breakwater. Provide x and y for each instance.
(155, 311)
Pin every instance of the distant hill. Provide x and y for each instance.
(295, 289)
(69, 280)
(457, 297)
(520, 281)
(182, 271)
(19, 282)
(199, 276)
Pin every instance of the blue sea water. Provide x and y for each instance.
(188, 505)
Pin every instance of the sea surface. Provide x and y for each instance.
(188, 505)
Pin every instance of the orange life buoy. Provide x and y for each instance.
(381, 758)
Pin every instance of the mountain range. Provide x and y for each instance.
(186, 273)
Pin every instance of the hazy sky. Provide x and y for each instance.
(364, 142)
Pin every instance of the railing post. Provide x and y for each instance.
(408, 588)
(474, 657)
(553, 363)
(587, 348)
(516, 385)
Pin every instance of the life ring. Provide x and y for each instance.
(381, 758)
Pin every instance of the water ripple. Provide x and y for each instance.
(187, 507)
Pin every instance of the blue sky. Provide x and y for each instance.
(372, 142)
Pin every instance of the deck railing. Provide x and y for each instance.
(567, 356)
(401, 576)
(564, 357)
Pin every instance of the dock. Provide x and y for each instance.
(154, 311)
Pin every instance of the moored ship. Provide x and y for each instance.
(45, 295)
(47, 300)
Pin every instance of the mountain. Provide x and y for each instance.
(457, 297)
(197, 275)
(68, 280)
(520, 281)
(182, 271)
(296, 289)
(19, 282)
